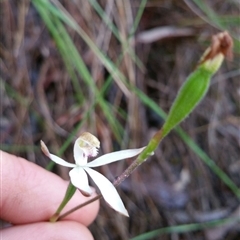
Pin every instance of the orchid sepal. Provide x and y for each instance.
(114, 156)
(108, 191)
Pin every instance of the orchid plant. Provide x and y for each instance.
(189, 96)
(86, 146)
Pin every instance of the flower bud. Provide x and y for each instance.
(213, 57)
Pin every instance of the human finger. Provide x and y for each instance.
(62, 230)
(32, 194)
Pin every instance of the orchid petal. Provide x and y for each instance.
(60, 161)
(55, 158)
(108, 191)
(80, 180)
(114, 156)
(79, 155)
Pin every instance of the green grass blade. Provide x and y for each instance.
(186, 228)
(53, 18)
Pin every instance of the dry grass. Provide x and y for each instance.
(39, 100)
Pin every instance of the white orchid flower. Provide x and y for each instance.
(87, 146)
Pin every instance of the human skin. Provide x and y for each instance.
(30, 195)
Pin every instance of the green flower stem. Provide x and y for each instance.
(69, 193)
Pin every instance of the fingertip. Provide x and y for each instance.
(62, 230)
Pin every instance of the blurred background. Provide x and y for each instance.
(113, 68)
